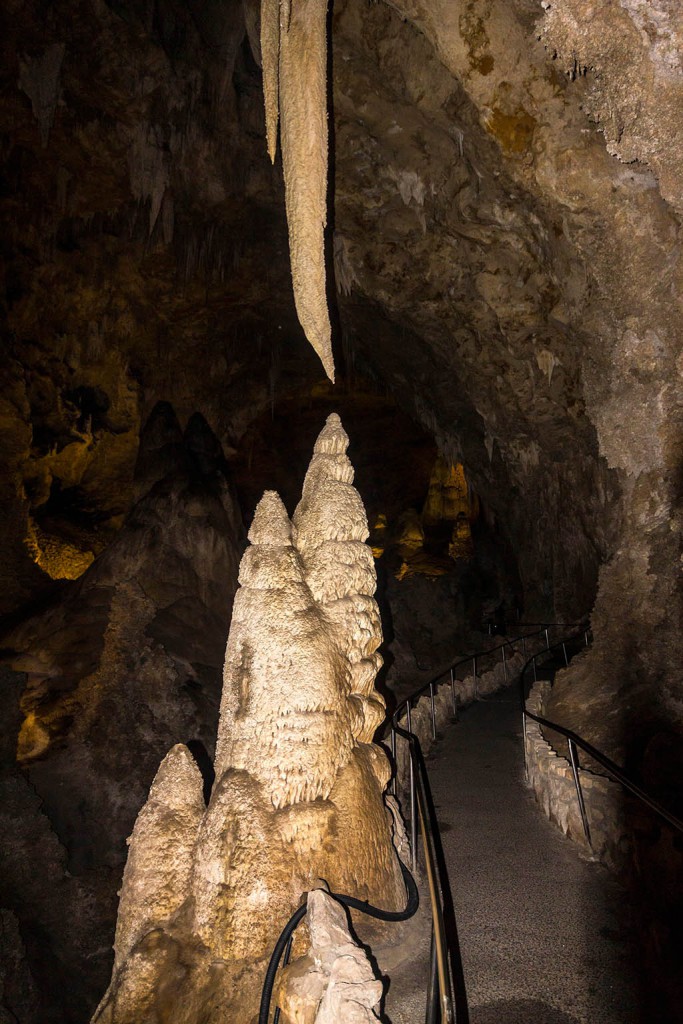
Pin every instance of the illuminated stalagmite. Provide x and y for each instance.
(299, 784)
(294, 56)
(330, 529)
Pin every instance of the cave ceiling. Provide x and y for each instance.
(502, 256)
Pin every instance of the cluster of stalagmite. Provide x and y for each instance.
(294, 58)
(299, 785)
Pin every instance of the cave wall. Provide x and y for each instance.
(121, 665)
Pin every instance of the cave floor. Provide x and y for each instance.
(545, 934)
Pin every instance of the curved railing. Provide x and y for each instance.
(576, 742)
(475, 661)
(447, 997)
(440, 1000)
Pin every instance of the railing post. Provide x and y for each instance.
(474, 675)
(534, 666)
(547, 639)
(526, 766)
(574, 758)
(433, 709)
(505, 664)
(455, 706)
(433, 1008)
(413, 801)
(394, 787)
(585, 636)
(564, 651)
(524, 647)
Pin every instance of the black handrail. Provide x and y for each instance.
(468, 659)
(573, 738)
(446, 993)
(446, 961)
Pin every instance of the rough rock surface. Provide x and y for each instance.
(299, 784)
(505, 231)
(126, 662)
(334, 983)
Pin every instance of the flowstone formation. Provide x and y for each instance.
(299, 785)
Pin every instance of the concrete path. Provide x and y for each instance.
(543, 933)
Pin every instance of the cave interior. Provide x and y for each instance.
(503, 280)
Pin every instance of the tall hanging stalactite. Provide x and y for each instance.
(294, 56)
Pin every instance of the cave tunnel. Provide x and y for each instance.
(501, 268)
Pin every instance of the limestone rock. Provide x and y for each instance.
(297, 35)
(335, 982)
(126, 662)
(156, 880)
(279, 714)
(329, 527)
(299, 791)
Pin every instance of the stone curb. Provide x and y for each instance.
(549, 774)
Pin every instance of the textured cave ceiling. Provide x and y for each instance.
(503, 239)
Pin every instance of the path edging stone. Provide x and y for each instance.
(549, 774)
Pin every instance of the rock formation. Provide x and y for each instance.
(335, 981)
(294, 58)
(506, 209)
(132, 649)
(299, 784)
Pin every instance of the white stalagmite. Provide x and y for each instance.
(299, 787)
(281, 676)
(335, 982)
(330, 530)
(294, 58)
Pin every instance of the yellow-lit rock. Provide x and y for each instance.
(411, 534)
(58, 558)
(461, 545)
(448, 494)
(33, 738)
(378, 536)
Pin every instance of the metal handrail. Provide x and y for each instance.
(471, 659)
(446, 965)
(574, 741)
(442, 951)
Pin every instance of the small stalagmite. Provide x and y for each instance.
(299, 785)
(334, 982)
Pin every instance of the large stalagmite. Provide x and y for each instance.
(294, 57)
(299, 785)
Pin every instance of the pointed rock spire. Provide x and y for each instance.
(281, 682)
(156, 879)
(330, 526)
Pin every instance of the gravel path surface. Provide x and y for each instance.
(544, 933)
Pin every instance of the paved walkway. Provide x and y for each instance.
(543, 933)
